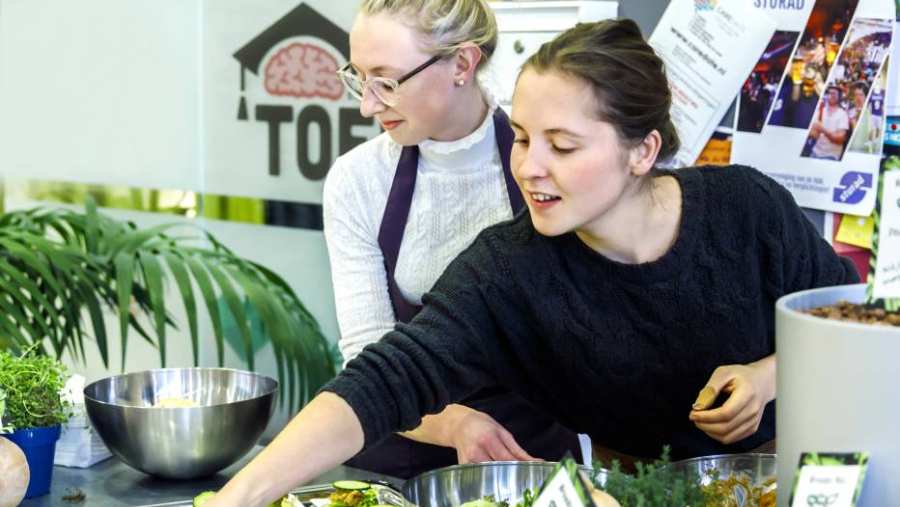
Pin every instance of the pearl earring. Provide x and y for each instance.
(460, 82)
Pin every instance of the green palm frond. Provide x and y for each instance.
(57, 265)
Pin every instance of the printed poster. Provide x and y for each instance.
(696, 40)
(811, 113)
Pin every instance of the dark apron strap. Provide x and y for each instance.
(505, 136)
(396, 211)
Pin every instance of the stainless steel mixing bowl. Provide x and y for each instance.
(232, 410)
(758, 467)
(454, 485)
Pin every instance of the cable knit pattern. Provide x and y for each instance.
(618, 351)
(459, 191)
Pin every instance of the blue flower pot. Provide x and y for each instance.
(39, 446)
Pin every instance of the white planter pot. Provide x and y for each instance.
(838, 391)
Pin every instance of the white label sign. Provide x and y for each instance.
(826, 486)
(887, 267)
(559, 492)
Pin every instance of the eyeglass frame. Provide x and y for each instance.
(345, 75)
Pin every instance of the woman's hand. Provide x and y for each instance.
(475, 435)
(323, 435)
(750, 388)
(478, 437)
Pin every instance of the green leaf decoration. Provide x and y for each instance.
(60, 269)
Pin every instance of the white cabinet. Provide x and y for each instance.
(525, 25)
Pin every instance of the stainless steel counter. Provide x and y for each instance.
(112, 483)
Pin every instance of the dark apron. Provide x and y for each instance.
(537, 433)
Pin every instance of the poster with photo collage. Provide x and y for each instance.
(811, 114)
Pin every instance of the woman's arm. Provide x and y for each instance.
(445, 354)
(795, 255)
(797, 258)
(361, 300)
(323, 435)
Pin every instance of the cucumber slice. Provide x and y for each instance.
(204, 497)
(351, 485)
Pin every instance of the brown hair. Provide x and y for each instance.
(627, 77)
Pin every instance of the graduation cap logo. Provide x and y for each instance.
(300, 70)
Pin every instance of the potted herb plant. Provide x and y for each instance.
(34, 411)
(60, 269)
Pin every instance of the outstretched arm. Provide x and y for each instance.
(323, 435)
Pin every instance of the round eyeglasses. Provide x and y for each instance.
(384, 88)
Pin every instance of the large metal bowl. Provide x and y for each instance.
(455, 485)
(758, 467)
(756, 470)
(233, 409)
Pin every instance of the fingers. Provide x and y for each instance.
(717, 382)
(734, 405)
(474, 455)
(737, 419)
(518, 453)
(706, 398)
(719, 431)
(497, 445)
(736, 434)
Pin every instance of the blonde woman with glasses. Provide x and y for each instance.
(400, 207)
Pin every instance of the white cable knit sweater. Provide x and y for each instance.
(459, 191)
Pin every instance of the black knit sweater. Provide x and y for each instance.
(618, 351)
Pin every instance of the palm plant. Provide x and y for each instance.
(58, 265)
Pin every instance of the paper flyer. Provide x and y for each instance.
(884, 276)
(811, 114)
(884, 265)
(697, 41)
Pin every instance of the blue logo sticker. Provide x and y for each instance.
(705, 5)
(852, 188)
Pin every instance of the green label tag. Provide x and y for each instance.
(829, 479)
(884, 268)
(564, 488)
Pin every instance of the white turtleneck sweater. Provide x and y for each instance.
(459, 191)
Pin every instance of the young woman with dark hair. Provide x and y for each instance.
(625, 301)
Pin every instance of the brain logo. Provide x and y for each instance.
(303, 70)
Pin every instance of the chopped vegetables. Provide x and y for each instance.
(204, 497)
(487, 501)
(738, 490)
(287, 501)
(355, 494)
(175, 403)
(351, 485)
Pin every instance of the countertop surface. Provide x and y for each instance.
(113, 483)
